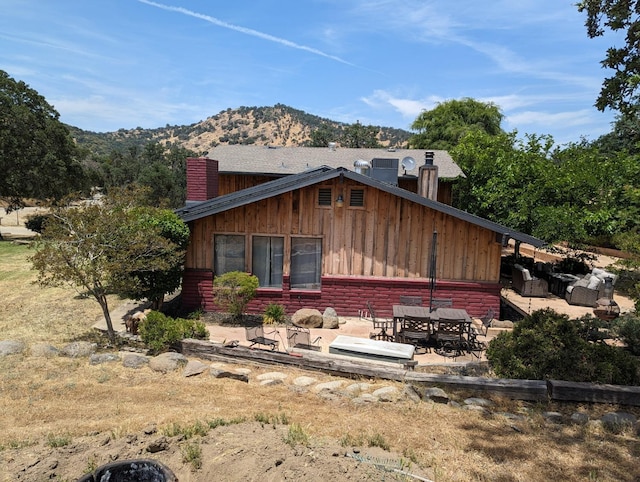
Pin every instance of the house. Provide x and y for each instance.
(241, 166)
(335, 237)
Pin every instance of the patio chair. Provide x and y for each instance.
(441, 303)
(256, 336)
(415, 331)
(486, 322)
(383, 328)
(411, 300)
(526, 285)
(300, 337)
(449, 338)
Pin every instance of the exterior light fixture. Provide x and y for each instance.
(339, 201)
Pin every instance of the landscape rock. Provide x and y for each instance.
(579, 418)
(168, 362)
(220, 373)
(271, 382)
(272, 376)
(475, 408)
(482, 402)
(356, 388)
(330, 319)
(11, 347)
(78, 349)
(304, 381)
(437, 395)
(131, 360)
(386, 394)
(158, 445)
(193, 368)
(553, 417)
(44, 350)
(328, 386)
(307, 318)
(617, 421)
(99, 358)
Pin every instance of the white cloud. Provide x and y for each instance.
(246, 31)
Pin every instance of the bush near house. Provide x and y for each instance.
(548, 345)
(161, 332)
(234, 290)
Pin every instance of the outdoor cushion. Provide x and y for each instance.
(584, 282)
(526, 275)
(594, 282)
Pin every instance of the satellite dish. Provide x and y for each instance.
(408, 163)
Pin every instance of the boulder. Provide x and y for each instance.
(79, 349)
(307, 318)
(134, 361)
(193, 368)
(44, 350)
(330, 319)
(11, 347)
(168, 362)
(437, 395)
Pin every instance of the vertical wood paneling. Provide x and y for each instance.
(391, 237)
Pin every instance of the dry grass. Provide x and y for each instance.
(62, 397)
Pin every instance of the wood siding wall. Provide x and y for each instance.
(388, 237)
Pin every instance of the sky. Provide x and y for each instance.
(111, 64)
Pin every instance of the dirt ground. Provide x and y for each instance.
(249, 451)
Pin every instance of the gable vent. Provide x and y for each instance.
(324, 196)
(356, 198)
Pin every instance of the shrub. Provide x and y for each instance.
(234, 290)
(627, 327)
(160, 332)
(273, 313)
(548, 345)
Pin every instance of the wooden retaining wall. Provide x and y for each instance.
(533, 390)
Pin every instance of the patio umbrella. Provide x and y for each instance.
(432, 267)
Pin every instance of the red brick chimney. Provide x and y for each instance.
(428, 178)
(202, 179)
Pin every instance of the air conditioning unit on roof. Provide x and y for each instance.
(385, 170)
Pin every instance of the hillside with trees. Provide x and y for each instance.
(278, 125)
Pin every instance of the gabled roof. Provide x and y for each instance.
(322, 174)
(281, 161)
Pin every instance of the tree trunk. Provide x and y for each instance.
(107, 317)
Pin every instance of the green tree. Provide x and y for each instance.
(444, 126)
(620, 90)
(323, 135)
(102, 249)
(153, 282)
(359, 136)
(37, 153)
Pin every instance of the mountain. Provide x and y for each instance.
(279, 125)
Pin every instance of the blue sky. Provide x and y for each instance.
(111, 64)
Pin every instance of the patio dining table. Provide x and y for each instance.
(423, 313)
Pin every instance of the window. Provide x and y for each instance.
(324, 196)
(267, 256)
(356, 198)
(306, 263)
(228, 253)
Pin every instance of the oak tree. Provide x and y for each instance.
(37, 153)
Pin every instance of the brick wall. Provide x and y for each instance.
(349, 295)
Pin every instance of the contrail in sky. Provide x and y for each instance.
(246, 31)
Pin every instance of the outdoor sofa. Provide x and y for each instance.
(593, 286)
(527, 285)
